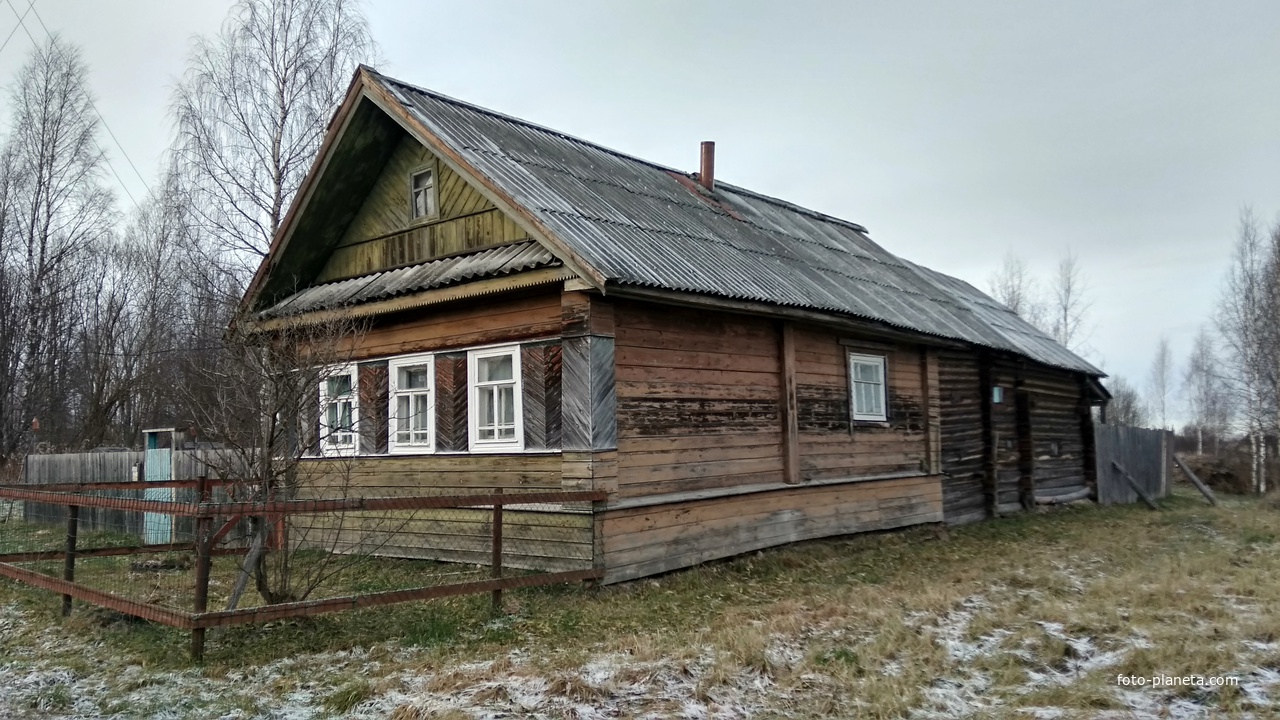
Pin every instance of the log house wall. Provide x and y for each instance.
(701, 461)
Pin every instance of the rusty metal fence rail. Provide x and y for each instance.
(236, 554)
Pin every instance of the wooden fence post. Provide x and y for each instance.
(497, 551)
(69, 564)
(204, 527)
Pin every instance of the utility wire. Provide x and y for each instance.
(106, 158)
(95, 107)
(5, 44)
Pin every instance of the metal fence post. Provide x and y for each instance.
(204, 526)
(497, 551)
(69, 564)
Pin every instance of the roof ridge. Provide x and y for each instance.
(617, 153)
(521, 121)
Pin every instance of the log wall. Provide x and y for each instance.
(1045, 455)
(698, 400)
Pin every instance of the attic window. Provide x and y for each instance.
(422, 194)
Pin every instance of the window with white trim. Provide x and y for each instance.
(422, 194)
(495, 404)
(412, 405)
(339, 410)
(867, 387)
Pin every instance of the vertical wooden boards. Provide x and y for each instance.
(1088, 449)
(373, 418)
(698, 399)
(929, 384)
(383, 235)
(788, 405)
(451, 402)
(1140, 452)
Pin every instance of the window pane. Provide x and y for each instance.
(867, 372)
(338, 386)
(487, 411)
(331, 417)
(402, 414)
(507, 403)
(494, 368)
(414, 378)
(421, 407)
(421, 180)
(486, 433)
(344, 415)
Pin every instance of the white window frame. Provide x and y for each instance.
(477, 445)
(327, 446)
(856, 359)
(432, 199)
(394, 365)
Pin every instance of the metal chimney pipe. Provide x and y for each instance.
(707, 176)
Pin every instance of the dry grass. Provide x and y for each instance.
(1029, 612)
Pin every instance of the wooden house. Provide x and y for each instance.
(736, 371)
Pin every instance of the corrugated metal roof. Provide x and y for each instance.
(502, 260)
(637, 224)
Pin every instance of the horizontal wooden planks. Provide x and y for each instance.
(532, 540)
(484, 321)
(429, 474)
(698, 400)
(830, 445)
(649, 540)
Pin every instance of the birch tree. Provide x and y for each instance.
(1014, 287)
(1248, 320)
(1160, 382)
(57, 212)
(252, 109)
(1126, 406)
(1069, 303)
(1205, 392)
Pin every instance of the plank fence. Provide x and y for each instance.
(1140, 453)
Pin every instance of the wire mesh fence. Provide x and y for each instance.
(208, 552)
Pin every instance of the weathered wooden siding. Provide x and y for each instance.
(1004, 422)
(648, 540)
(538, 538)
(833, 446)
(1059, 452)
(960, 392)
(484, 321)
(393, 475)
(382, 235)
(697, 399)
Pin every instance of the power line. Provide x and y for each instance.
(14, 31)
(95, 107)
(106, 158)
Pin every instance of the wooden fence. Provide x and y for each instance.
(1141, 453)
(114, 467)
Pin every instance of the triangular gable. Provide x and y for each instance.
(350, 214)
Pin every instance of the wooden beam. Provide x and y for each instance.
(1081, 494)
(932, 409)
(489, 286)
(789, 405)
(1204, 489)
(1088, 441)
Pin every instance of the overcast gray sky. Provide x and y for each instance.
(1131, 132)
